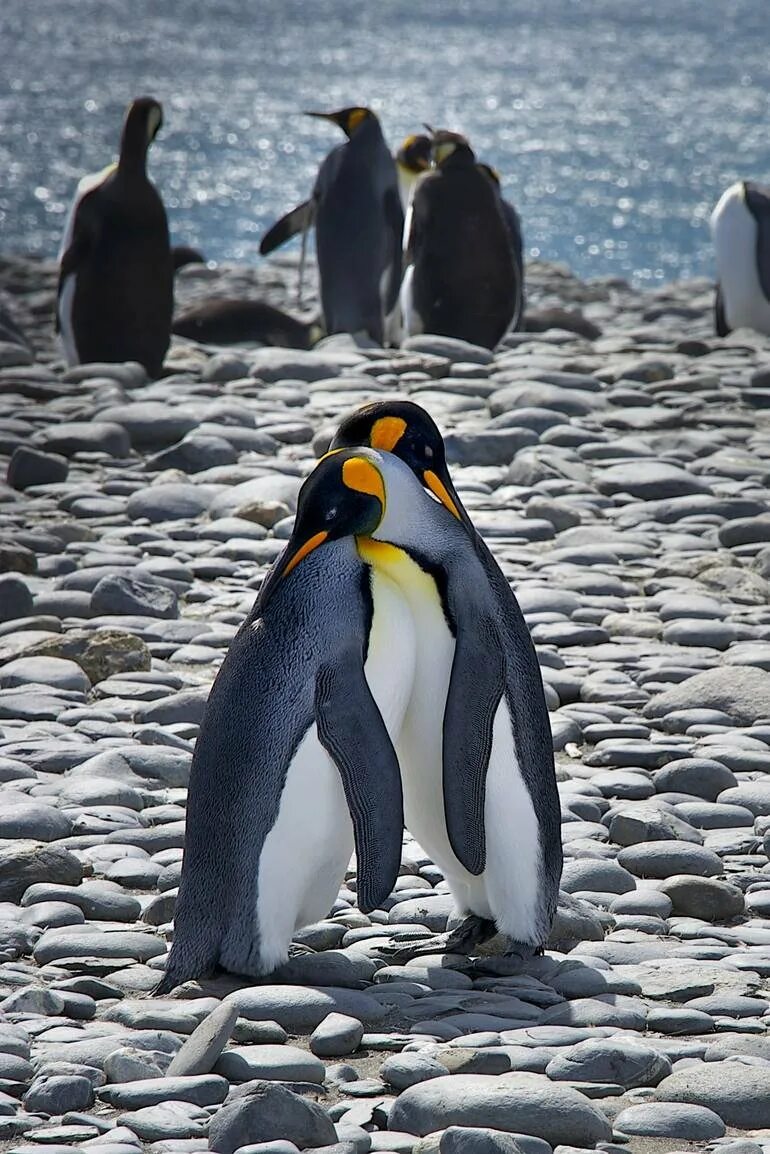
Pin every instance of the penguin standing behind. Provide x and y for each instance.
(412, 160)
(116, 273)
(294, 761)
(462, 279)
(359, 224)
(486, 762)
(740, 227)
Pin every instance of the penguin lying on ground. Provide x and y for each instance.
(499, 839)
(359, 223)
(462, 278)
(294, 760)
(740, 226)
(228, 321)
(116, 273)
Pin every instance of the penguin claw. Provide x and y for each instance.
(298, 950)
(471, 932)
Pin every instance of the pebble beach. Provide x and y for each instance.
(616, 458)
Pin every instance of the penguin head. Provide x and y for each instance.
(450, 146)
(414, 155)
(406, 430)
(490, 172)
(349, 119)
(142, 124)
(344, 496)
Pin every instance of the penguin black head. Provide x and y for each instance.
(349, 119)
(144, 119)
(406, 430)
(344, 496)
(415, 154)
(446, 146)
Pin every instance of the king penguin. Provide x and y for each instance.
(412, 160)
(740, 227)
(359, 225)
(480, 790)
(294, 763)
(116, 272)
(461, 277)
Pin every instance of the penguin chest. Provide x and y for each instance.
(391, 652)
(735, 243)
(419, 743)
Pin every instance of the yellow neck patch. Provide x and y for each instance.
(386, 433)
(361, 475)
(355, 118)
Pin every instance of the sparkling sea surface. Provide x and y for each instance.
(615, 125)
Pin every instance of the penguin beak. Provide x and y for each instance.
(442, 487)
(292, 555)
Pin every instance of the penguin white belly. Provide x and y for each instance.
(411, 321)
(305, 854)
(507, 890)
(67, 333)
(734, 230)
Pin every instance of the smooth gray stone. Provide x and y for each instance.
(28, 467)
(618, 1010)
(487, 447)
(739, 1094)
(431, 911)
(186, 707)
(54, 672)
(714, 634)
(662, 859)
(254, 494)
(599, 876)
(625, 1063)
(169, 1120)
(15, 598)
(278, 1146)
(638, 824)
(58, 1094)
(409, 1069)
(723, 1004)
(650, 481)
(264, 1111)
(130, 1065)
(336, 1036)
(743, 693)
(575, 921)
(329, 968)
(200, 1052)
(96, 899)
(84, 437)
(753, 795)
(34, 820)
(151, 424)
(643, 901)
(33, 1000)
(94, 1051)
(300, 1009)
(22, 863)
(708, 898)
(280, 1063)
(55, 944)
(200, 1089)
(673, 1020)
(175, 501)
(510, 1102)
(708, 815)
(129, 595)
(194, 453)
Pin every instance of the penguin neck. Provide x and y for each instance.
(132, 163)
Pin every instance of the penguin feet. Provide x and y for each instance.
(472, 931)
(297, 950)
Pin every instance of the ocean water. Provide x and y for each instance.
(615, 124)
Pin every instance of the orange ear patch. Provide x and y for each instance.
(361, 475)
(386, 433)
(355, 118)
(438, 488)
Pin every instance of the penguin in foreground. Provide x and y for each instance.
(500, 847)
(740, 227)
(412, 160)
(359, 225)
(116, 273)
(462, 279)
(294, 761)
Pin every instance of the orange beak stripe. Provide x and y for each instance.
(302, 552)
(439, 490)
(386, 433)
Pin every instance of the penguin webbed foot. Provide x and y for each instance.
(471, 932)
(298, 950)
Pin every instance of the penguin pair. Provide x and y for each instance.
(356, 210)
(463, 256)
(116, 270)
(740, 226)
(385, 674)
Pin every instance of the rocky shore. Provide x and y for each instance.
(618, 464)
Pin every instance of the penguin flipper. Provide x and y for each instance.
(296, 221)
(720, 319)
(394, 216)
(77, 251)
(351, 730)
(476, 686)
